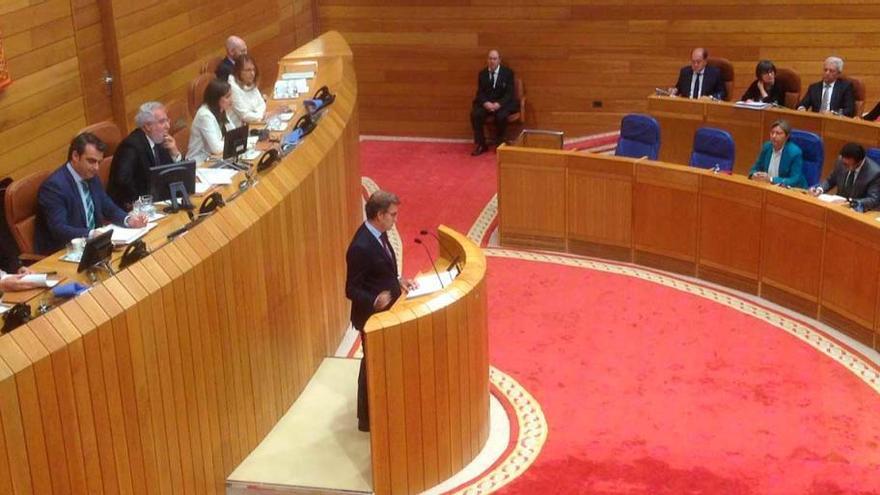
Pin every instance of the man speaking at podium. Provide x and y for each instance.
(372, 282)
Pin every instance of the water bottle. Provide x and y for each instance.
(716, 169)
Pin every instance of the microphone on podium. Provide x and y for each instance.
(433, 265)
(453, 259)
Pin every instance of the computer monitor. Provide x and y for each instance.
(235, 142)
(174, 182)
(97, 251)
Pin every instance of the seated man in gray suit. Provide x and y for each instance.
(856, 177)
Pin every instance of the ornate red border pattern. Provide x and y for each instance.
(4, 72)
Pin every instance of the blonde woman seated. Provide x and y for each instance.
(780, 162)
(211, 122)
(248, 105)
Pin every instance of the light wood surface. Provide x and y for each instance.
(679, 118)
(162, 378)
(783, 245)
(417, 61)
(428, 374)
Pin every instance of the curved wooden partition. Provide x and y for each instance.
(163, 378)
(679, 118)
(781, 244)
(428, 376)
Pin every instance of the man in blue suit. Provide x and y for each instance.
(698, 79)
(72, 202)
(780, 161)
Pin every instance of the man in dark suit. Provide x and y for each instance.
(72, 202)
(831, 94)
(235, 46)
(147, 146)
(856, 177)
(699, 79)
(496, 96)
(372, 282)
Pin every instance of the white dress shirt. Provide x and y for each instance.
(697, 91)
(773, 166)
(248, 105)
(205, 137)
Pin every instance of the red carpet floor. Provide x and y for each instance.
(646, 389)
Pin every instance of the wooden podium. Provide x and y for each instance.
(428, 378)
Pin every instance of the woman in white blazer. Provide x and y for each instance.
(248, 105)
(211, 122)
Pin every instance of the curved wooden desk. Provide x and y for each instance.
(679, 118)
(784, 245)
(428, 375)
(163, 378)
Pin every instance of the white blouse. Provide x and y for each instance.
(248, 105)
(205, 137)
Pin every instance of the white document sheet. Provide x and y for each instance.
(429, 283)
(832, 198)
(216, 176)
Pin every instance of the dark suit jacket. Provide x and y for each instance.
(504, 91)
(370, 271)
(712, 83)
(130, 170)
(775, 95)
(223, 70)
(791, 165)
(866, 187)
(843, 98)
(60, 214)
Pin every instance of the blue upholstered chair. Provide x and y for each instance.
(639, 136)
(873, 154)
(814, 154)
(713, 147)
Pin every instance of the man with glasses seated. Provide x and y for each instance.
(831, 94)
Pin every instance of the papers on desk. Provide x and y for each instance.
(753, 105)
(215, 176)
(4, 308)
(252, 142)
(430, 283)
(285, 90)
(276, 125)
(832, 198)
(123, 236)
(39, 280)
(285, 117)
(251, 154)
(289, 76)
(202, 188)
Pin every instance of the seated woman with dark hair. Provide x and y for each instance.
(780, 161)
(210, 123)
(248, 105)
(764, 88)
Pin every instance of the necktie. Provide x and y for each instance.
(698, 87)
(155, 156)
(386, 244)
(492, 78)
(848, 184)
(826, 96)
(90, 206)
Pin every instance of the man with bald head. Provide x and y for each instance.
(699, 79)
(831, 94)
(235, 46)
(496, 96)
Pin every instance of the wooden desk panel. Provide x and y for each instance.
(744, 126)
(730, 231)
(599, 206)
(660, 194)
(679, 120)
(537, 216)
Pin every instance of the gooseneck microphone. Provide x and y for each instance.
(433, 265)
(453, 259)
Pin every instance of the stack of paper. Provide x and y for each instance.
(832, 198)
(124, 236)
(285, 90)
(39, 280)
(754, 105)
(215, 176)
(430, 283)
(289, 76)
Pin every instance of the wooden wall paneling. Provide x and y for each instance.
(838, 131)
(80, 389)
(42, 330)
(730, 231)
(380, 427)
(453, 374)
(98, 392)
(791, 257)
(94, 54)
(679, 119)
(27, 404)
(745, 126)
(850, 253)
(660, 194)
(599, 206)
(537, 181)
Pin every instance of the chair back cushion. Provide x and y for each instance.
(858, 92)
(108, 132)
(639, 136)
(197, 91)
(813, 154)
(727, 73)
(21, 208)
(713, 147)
(178, 114)
(790, 83)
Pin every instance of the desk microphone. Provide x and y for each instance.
(433, 265)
